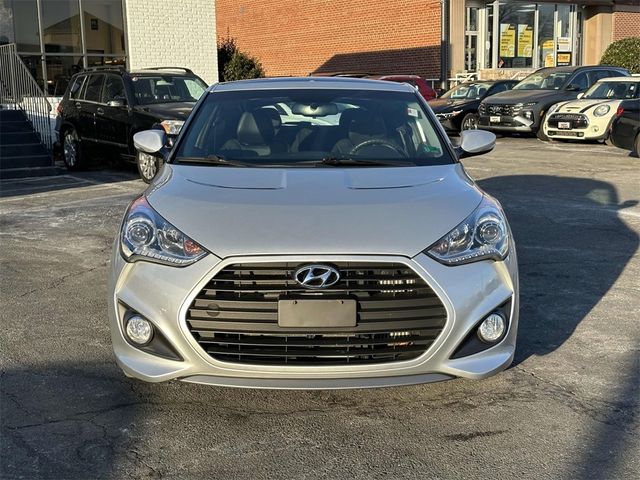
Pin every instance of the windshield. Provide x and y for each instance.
(614, 90)
(543, 81)
(468, 91)
(167, 89)
(311, 127)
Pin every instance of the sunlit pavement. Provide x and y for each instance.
(567, 408)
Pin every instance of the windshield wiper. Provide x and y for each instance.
(211, 160)
(338, 161)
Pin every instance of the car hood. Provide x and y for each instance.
(267, 211)
(583, 105)
(168, 111)
(511, 97)
(441, 105)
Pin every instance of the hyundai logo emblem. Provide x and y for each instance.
(316, 276)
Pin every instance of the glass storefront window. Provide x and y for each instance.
(59, 72)
(61, 26)
(103, 26)
(488, 52)
(546, 38)
(105, 61)
(19, 24)
(515, 42)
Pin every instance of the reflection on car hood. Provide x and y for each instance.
(168, 111)
(254, 211)
(511, 97)
(585, 105)
(446, 104)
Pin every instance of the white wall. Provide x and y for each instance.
(177, 33)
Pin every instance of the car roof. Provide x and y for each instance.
(583, 67)
(620, 79)
(284, 83)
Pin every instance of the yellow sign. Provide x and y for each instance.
(507, 40)
(525, 40)
(563, 59)
(547, 45)
(548, 60)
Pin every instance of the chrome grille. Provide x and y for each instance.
(235, 316)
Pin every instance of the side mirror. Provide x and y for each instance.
(149, 141)
(475, 142)
(580, 95)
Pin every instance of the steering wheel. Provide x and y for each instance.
(380, 143)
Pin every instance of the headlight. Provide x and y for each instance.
(601, 110)
(447, 116)
(147, 236)
(482, 235)
(172, 127)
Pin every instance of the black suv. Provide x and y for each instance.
(106, 106)
(522, 109)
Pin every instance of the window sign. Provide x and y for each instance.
(564, 44)
(563, 59)
(507, 40)
(547, 53)
(525, 40)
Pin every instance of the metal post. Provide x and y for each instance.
(12, 68)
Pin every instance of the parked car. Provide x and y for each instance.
(457, 109)
(367, 258)
(522, 109)
(625, 130)
(415, 81)
(105, 106)
(590, 117)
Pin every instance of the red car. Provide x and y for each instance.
(418, 82)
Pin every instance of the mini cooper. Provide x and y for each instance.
(342, 246)
(590, 116)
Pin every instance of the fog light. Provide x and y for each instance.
(492, 328)
(139, 330)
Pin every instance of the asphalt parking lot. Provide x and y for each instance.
(567, 408)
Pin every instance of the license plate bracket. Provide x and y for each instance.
(317, 313)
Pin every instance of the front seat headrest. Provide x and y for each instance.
(255, 128)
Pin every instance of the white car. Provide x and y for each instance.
(590, 116)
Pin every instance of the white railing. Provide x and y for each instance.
(20, 91)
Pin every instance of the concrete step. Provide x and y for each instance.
(12, 115)
(22, 150)
(17, 138)
(25, 162)
(9, 173)
(16, 126)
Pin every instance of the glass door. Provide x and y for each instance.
(471, 53)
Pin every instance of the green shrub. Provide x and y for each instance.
(235, 65)
(623, 53)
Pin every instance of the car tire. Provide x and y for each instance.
(72, 151)
(148, 166)
(636, 146)
(469, 122)
(540, 133)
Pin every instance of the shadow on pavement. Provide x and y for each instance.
(572, 248)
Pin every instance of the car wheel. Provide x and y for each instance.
(148, 166)
(72, 153)
(469, 122)
(540, 133)
(636, 145)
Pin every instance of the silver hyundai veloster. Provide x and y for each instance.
(313, 233)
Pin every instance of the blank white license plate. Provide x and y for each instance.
(564, 125)
(494, 119)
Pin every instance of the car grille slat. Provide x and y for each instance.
(577, 120)
(234, 318)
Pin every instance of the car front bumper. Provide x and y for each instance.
(508, 124)
(163, 294)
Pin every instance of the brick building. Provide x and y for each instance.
(432, 38)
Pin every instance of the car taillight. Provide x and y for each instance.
(619, 112)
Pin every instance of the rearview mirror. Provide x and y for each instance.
(149, 141)
(572, 88)
(475, 142)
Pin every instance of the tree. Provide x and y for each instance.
(234, 64)
(623, 53)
